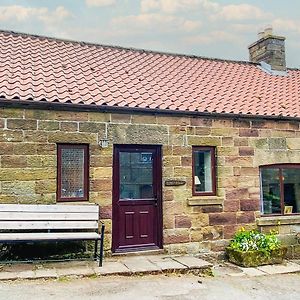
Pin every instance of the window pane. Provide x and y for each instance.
(202, 171)
(270, 191)
(291, 183)
(72, 173)
(136, 175)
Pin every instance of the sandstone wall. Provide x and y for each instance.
(191, 224)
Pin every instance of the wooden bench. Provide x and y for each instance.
(29, 223)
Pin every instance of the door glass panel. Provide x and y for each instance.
(291, 183)
(270, 191)
(136, 175)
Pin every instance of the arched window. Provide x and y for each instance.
(280, 189)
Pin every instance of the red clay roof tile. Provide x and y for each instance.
(39, 68)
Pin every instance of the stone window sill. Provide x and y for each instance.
(205, 200)
(273, 220)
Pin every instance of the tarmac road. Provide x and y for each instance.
(163, 287)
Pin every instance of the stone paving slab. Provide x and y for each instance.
(112, 267)
(289, 267)
(45, 273)
(167, 263)
(76, 271)
(140, 264)
(251, 272)
(193, 262)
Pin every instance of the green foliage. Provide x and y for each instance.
(253, 240)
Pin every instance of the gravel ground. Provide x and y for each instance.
(175, 287)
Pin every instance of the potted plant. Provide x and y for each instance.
(252, 248)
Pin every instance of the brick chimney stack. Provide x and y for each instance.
(269, 49)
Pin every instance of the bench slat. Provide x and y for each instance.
(22, 216)
(86, 208)
(49, 236)
(35, 225)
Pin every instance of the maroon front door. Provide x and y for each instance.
(137, 207)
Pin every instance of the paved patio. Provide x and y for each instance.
(129, 266)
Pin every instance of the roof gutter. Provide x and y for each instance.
(31, 104)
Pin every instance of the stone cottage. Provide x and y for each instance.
(179, 151)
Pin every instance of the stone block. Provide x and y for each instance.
(138, 134)
(245, 217)
(143, 119)
(231, 205)
(238, 193)
(227, 141)
(230, 230)
(177, 130)
(204, 141)
(45, 186)
(11, 136)
(171, 120)
(101, 172)
(237, 161)
(6, 148)
(249, 205)
(18, 188)
(277, 143)
(183, 171)
(224, 131)
(168, 221)
(173, 208)
(176, 236)
(293, 143)
(21, 124)
(67, 116)
(27, 174)
(99, 117)
(182, 221)
(212, 233)
(25, 148)
(182, 150)
(199, 220)
(168, 194)
(212, 208)
(186, 161)
(121, 118)
(13, 161)
(225, 218)
(11, 112)
(102, 184)
(72, 137)
(198, 121)
(92, 127)
(246, 151)
(240, 141)
(221, 123)
(227, 151)
(202, 131)
(171, 161)
(248, 132)
(69, 126)
(241, 123)
(35, 136)
(48, 125)
(46, 149)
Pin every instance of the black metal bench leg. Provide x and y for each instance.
(95, 249)
(101, 245)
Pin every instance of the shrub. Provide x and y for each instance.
(253, 240)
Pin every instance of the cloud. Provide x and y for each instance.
(155, 21)
(213, 37)
(21, 13)
(100, 3)
(286, 25)
(241, 12)
(175, 6)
